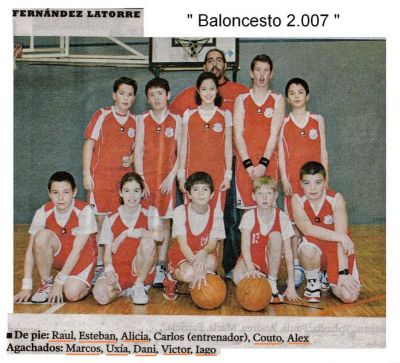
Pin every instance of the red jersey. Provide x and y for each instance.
(256, 132)
(324, 217)
(259, 242)
(186, 98)
(159, 157)
(195, 242)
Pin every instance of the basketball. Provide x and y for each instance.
(211, 295)
(254, 293)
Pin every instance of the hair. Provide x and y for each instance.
(157, 83)
(312, 168)
(264, 180)
(203, 76)
(61, 176)
(125, 80)
(215, 50)
(128, 177)
(261, 58)
(297, 81)
(199, 177)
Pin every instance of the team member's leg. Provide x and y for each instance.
(162, 250)
(239, 272)
(275, 243)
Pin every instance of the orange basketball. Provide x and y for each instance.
(254, 293)
(211, 295)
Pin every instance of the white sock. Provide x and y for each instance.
(312, 274)
(273, 281)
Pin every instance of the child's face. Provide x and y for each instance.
(265, 196)
(208, 91)
(297, 96)
(261, 74)
(124, 98)
(200, 194)
(131, 194)
(62, 195)
(313, 186)
(157, 98)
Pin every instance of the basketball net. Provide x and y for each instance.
(18, 51)
(192, 47)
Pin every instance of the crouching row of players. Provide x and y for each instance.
(62, 236)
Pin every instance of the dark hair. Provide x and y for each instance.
(297, 81)
(312, 168)
(203, 76)
(125, 80)
(157, 83)
(199, 177)
(128, 177)
(261, 58)
(215, 50)
(62, 176)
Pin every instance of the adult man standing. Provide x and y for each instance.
(215, 62)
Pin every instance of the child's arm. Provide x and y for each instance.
(308, 229)
(324, 151)
(200, 261)
(87, 155)
(238, 127)
(183, 152)
(226, 184)
(245, 247)
(168, 183)
(139, 150)
(276, 126)
(26, 290)
(287, 188)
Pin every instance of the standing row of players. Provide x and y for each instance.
(165, 146)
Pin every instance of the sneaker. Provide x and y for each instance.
(139, 294)
(298, 275)
(42, 295)
(160, 276)
(312, 292)
(97, 273)
(276, 298)
(170, 288)
(323, 278)
(229, 275)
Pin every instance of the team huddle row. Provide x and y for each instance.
(210, 133)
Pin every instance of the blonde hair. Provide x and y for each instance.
(264, 180)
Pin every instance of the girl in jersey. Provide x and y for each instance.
(207, 138)
(129, 236)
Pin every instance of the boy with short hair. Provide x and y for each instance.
(196, 229)
(326, 251)
(302, 139)
(158, 141)
(108, 151)
(264, 230)
(62, 236)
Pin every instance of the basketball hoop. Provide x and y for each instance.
(192, 47)
(18, 51)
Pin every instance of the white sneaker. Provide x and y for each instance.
(160, 276)
(312, 292)
(139, 294)
(97, 273)
(42, 295)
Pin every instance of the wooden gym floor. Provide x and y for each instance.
(371, 253)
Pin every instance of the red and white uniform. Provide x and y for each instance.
(114, 139)
(260, 231)
(123, 259)
(256, 132)
(198, 229)
(186, 98)
(300, 145)
(79, 220)
(159, 157)
(206, 146)
(322, 216)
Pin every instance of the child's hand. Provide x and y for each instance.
(254, 274)
(287, 187)
(291, 294)
(22, 296)
(112, 279)
(146, 193)
(56, 294)
(88, 182)
(127, 161)
(349, 283)
(250, 172)
(182, 186)
(348, 245)
(259, 170)
(226, 184)
(167, 184)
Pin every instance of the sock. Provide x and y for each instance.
(312, 274)
(273, 281)
(296, 262)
